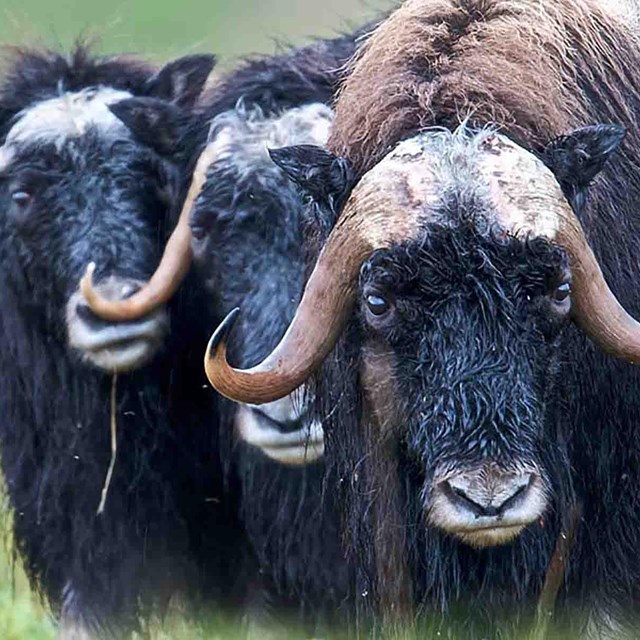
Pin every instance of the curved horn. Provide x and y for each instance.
(172, 269)
(594, 307)
(529, 198)
(373, 218)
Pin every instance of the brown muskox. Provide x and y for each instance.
(467, 411)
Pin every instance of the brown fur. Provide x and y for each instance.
(395, 600)
(522, 64)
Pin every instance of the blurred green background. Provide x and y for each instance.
(165, 28)
(158, 29)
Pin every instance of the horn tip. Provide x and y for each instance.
(223, 330)
(86, 283)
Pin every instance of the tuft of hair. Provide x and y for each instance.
(243, 136)
(33, 75)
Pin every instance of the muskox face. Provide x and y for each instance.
(76, 187)
(451, 264)
(248, 230)
(462, 339)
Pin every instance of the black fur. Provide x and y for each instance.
(577, 158)
(248, 236)
(156, 123)
(249, 231)
(325, 178)
(273, 84)
(248, 247)
(302, 571)
(295, 77)
(169, 524)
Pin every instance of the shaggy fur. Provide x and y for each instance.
(168, 526)
(438, 62)
(535, 69)
(249, 229)
(296, 77)
(250, 223)
(290, 79)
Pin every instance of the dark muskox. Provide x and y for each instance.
(248, 243)
(74, 187)
(468, 412)
(248, 239)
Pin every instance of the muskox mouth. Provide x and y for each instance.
(294, 441)
(487, 506)
(114, 346)
(490, 536)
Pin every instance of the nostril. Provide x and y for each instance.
(460, 498)
(488, 500)
(519, 491)
(114, 290)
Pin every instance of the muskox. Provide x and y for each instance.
(75, 186)
(248, 232)
(247, 239)
(464, 316)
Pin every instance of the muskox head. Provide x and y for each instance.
(248, 228)
(76, 185)
(459, 263)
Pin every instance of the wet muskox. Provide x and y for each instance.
(459, 316)
(75, 186)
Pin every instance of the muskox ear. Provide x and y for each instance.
(578, 157)
(181, 81)
(153, 122)
(325, 178)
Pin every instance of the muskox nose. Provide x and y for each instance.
(488, 496)
(487, 505)
(113, 289)
(114, 346)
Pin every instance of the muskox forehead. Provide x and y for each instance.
(509, 183)
(472, 258)
(67, 116)
(241, 138)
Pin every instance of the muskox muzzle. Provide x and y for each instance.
(114, 346)
(488, 505)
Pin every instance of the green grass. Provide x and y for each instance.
(21, 615)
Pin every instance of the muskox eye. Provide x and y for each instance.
(21, 198)
(562, 292)
(377, 305)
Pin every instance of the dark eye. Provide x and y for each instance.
(198, 231)
(21, 198)
(562, 292)
(377, 305)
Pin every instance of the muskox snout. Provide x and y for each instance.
(282, 430)
(487, 506)
(114, 346)
(488, 498)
